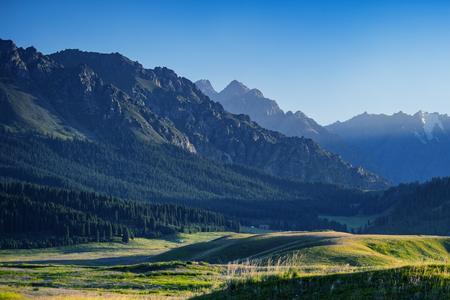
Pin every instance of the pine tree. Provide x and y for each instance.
(110, 232)
(67, 233)
(126, 236)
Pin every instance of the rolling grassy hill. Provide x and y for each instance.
(278, 265)
(317, 248)
(136, 251)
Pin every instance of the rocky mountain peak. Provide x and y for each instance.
(10, 61)
(205, 86)
(233, 89)
(300, 114)
(256, 93)
(19, 63)
(431, 123)
(7, 45)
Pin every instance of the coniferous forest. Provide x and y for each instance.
(33, 216)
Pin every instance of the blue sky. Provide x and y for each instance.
(330, 59)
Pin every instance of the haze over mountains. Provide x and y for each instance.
(400, 147)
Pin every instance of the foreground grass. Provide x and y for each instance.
(8, 295)
(413, 282)
(162, 279)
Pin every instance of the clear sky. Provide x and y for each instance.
(331, 59)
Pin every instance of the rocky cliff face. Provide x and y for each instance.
(102, 96)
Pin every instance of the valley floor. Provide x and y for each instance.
(280, 265)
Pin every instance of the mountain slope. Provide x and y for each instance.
(49, 98)
(215, 133)
(400, 147)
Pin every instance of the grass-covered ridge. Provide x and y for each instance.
(318, 248)
(324, 265)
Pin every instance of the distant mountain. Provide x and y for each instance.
(400, 147)
(206, 87)
(239, 99)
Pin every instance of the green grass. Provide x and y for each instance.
(4, 295)
(307, 264)
(97, 254)
(353, 222)
(318, 249)
(24, 107)
(424, 282)
(174, 278)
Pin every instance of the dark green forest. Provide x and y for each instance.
(416, 209)
(164, 173)
(33, 216)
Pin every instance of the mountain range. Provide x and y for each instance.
(399, 147)
(102, 123)
(89, 122)
(105, 97)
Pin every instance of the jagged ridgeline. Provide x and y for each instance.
(33, 216)
(107, 97)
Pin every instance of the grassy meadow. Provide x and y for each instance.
(114, 253)
(223, 265)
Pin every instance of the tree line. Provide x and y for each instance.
(415, 208)
(37, 216)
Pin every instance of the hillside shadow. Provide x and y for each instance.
(95, 262)
(224, 250)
